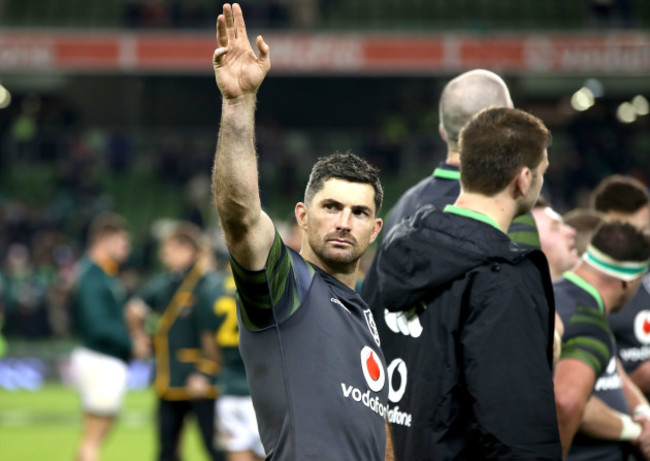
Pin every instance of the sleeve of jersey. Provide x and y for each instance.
(270, 296)
(151, 291)
(523, 231)
(586, 338)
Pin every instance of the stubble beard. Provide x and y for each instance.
(337, 258)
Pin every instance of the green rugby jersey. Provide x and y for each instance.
(184, 304)
(99, 309)
(589, 339)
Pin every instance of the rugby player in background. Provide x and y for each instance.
(100, 364)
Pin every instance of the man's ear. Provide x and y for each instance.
(441, 130)
(301, 215)
(522, 182)
(376, 229)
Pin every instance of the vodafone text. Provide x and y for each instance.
(395, 416)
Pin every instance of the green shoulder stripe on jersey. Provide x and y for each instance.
(589, 288)
(527, 220)
(585, 357)
(525, 237)
(471, 214)
(278, 267)
(446, 174)
(271, 295)
(591, 315)
(523, 230)
(585, 342)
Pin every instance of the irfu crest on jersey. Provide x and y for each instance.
(372, 326)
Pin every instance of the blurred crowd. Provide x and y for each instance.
(55, 177)
(196, 13)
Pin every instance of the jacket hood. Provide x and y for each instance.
(423, 254)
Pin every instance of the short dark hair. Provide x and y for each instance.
(187, 234)
(348, 167)
(585, 222)
(620, 193)
(105, 225)
(495, 144)
(622, 241)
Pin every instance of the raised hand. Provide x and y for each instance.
(236, 68)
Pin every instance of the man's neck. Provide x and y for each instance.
(100, 257)
(500, 209)
(453, 158)
(346, 274)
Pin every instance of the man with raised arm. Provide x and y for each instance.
(317, 375)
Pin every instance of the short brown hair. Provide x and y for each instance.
(622, 241)
(620, 193)
(495, 144)
(104, 225)
(188, 234)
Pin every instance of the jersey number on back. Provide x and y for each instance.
(228, 333)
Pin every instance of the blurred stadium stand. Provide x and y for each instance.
(114, 107)
(384, 15)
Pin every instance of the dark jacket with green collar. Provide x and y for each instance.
(466, 318)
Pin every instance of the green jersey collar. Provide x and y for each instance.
(446, 173)
(471, 214)
(588, 287)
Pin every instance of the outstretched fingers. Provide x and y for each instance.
(230, 21)
(264, 52)
(239, 23)
(222, 35)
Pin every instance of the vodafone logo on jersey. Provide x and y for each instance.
(642, 326)
(373, 370)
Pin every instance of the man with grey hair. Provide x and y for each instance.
(461, 98)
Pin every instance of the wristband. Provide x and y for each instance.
(642, 410)
(631, 430)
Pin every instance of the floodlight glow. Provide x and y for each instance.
(626, 113)
(595, 86)
(5, 97)
(641, 106)
(582, 99)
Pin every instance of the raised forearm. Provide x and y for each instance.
(235, 178)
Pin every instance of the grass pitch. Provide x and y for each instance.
(46, 425)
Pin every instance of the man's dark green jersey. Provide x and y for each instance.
(232, 375)
(316, 373)
(631, 328)
(99, 309)
(441, 189)
(185, 305)
(589, 339)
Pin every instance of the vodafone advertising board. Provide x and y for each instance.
(318, 54)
